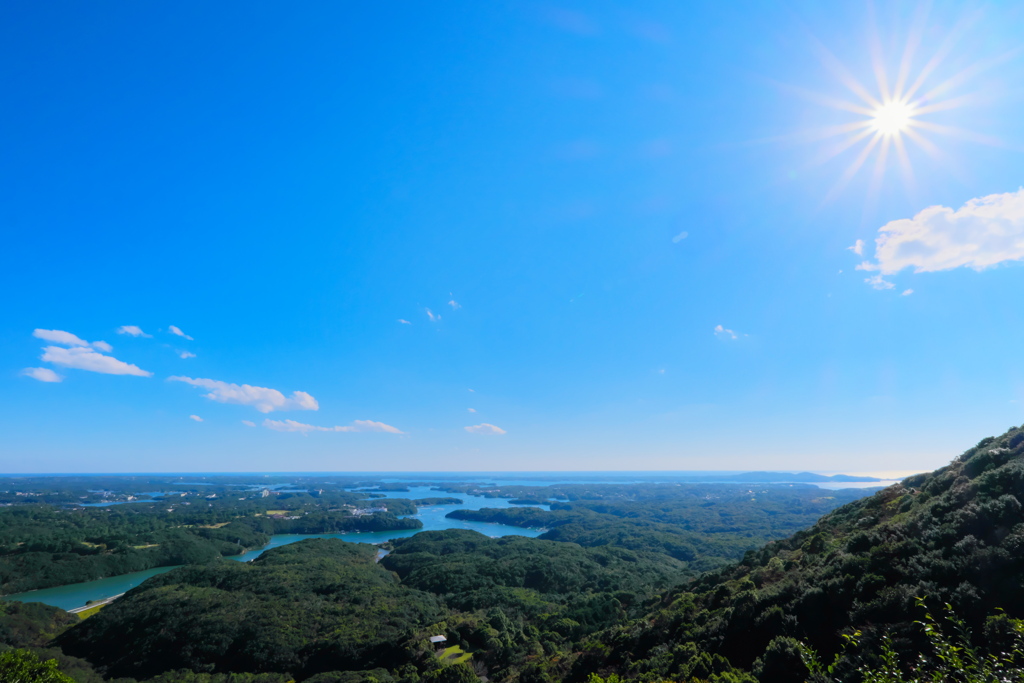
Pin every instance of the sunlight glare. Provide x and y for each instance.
(892, 118)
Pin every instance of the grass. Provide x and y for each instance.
(454, 655)
(86, 613)
(277, 512)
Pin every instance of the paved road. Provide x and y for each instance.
(95, 604)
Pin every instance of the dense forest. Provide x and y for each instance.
(850, 598)
(702, 525)
(43, 545)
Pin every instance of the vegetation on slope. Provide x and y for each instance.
(955, 535)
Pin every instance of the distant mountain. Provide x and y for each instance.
(787, 477)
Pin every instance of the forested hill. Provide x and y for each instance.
(303, 608)
(953, 536)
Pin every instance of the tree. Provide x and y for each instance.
(23, 666)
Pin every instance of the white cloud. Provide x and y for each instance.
(248, 423)
(485, 428)
(433, 316)
(356, 426)
(261, 398)
(59, 337)
(680, 237)
(369, 426)
(907, 292)
(980, 234)
(454, 304)
(67, 339)
(472, 410)
(186, 354)
(42, 374)
(82, 358)
(174, 329)
(133, 330)
(404, 321)
(878, 282)
(857, 248)
(725, 333)
(195, 417)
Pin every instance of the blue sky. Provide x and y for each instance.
(505, 236)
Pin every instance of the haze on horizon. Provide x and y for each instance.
(509, 237)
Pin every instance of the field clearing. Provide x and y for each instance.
(454, 655)
(85, 614)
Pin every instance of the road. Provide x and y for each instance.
(105, 601)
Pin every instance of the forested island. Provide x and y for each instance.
(622, 586)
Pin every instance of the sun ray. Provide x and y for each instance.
(946, 105)
(936, 153)
(940, 55)
(961, 133)
(907, 170)
(832, 63)
(875, 186)
(877, 61)
(843, 146)
(825, 100)
(973, 71)
(910, 49)
(852, 169)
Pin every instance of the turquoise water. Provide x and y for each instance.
(77, 594)
(433, 518)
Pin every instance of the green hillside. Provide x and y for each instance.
(955, 536)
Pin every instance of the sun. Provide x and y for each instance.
(888, 118)
(892, 118)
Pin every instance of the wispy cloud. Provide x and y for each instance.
(472, 410)
(356, 426)
(42, 374)
(485, 428)
(67, 339)
(174, 329)
(84, 358)
(907, 292)
(982, 233)
(857, 248)
(248, 423)
(404, 321)
(878, 282)
(133, 330)
(261, 398)
(186, 354)
(455, 304)
(433, 316)
(680, 237)
(725, 333)
(195, 417)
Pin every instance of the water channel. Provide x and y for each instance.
(433, 518)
